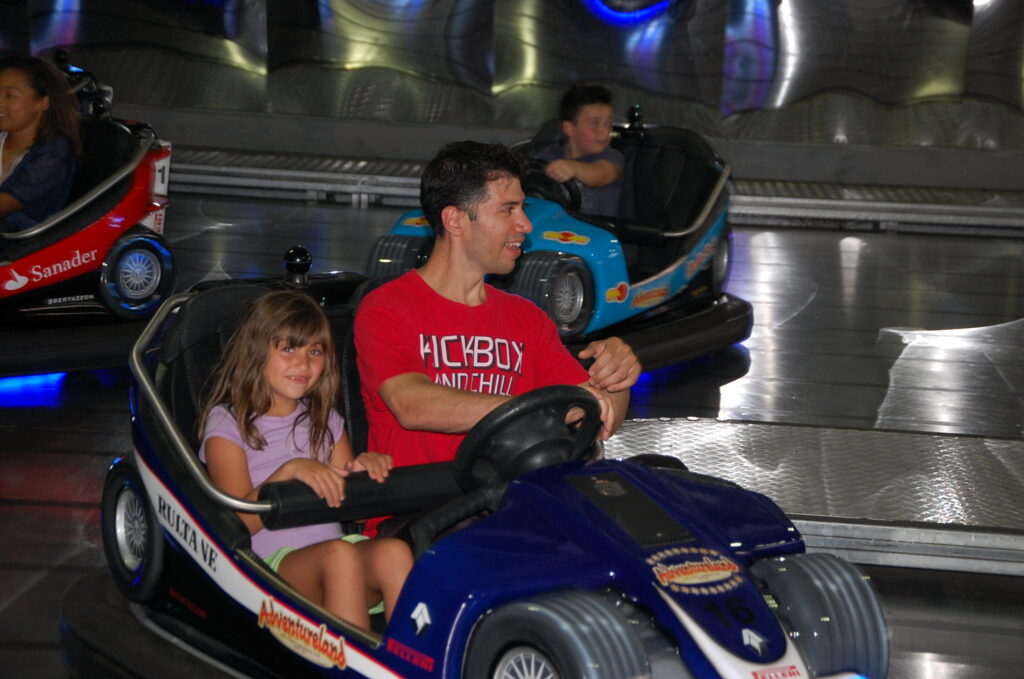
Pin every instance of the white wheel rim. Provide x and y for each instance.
(138, 274)
(130, 529)
(524, 662)
(567, 296)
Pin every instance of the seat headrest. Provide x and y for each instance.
(106, 146)
(193, 348)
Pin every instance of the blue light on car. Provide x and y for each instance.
(28, 391)
(602, 11)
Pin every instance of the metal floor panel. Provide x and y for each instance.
(888, 498)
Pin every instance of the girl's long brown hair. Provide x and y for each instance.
(238, 381)
(61, 118)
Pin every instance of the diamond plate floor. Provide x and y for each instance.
(846, 473)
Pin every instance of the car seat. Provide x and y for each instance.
(106, 146)
(186, 359)
(351, 392)
(669, 173)
(193, 347)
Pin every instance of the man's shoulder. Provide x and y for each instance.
(527, 313)
(390, 292)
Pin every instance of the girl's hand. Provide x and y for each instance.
(374, 464)
(326, 481)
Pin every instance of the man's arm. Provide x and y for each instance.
(421, 405)
(615, 369)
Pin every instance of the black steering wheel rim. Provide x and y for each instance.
(526, 433)
(536, 183)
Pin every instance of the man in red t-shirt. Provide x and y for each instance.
(438, 348)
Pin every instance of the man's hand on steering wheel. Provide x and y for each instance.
(615, 367)
(607, 415)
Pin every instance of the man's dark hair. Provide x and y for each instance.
(579, 96)
(458, 176)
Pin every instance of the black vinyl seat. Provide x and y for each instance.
(106, 146)
(351, 392)
(194, 346)
(669, 174)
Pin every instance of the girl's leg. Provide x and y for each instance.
(387, 562)
(330, 574)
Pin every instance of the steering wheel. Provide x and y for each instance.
(538, 184)
(527, 433)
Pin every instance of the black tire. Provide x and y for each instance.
(137, 276)
(392, 255)
(834, 610)
(132, 540)
(561, 285)
(716, 275)
(565, 635)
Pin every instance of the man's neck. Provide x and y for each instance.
(456, 281)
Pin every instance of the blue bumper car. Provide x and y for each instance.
(535, 557)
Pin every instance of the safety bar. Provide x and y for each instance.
(145, 144)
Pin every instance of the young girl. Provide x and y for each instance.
(271, 417)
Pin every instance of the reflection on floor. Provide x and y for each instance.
(860, 330)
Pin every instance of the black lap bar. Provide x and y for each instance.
(407, 489)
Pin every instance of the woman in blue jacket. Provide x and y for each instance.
(39, 142)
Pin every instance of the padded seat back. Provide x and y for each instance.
(106, 146)
(667, 177)
(351, 392)
(193, 348)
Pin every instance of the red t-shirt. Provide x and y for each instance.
(506, 345)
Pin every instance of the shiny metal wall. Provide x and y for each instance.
(178, 53)
(876, 72)
(411, 61)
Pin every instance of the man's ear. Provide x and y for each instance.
(568, 128)
(454, 220)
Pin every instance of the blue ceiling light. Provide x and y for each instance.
(604, 10)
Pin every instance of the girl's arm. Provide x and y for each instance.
(228, 467)
(375, 464)
(9, 204)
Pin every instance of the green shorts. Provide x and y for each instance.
(275, 559)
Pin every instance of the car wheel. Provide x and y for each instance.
(392, 255)
(717, 273)
(559, 284)
(132, 541)
(565, 635)
(833, 611)
(137, 275)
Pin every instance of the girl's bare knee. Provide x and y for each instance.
(393, 550)
(341, 556)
